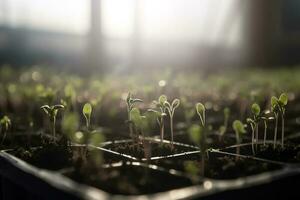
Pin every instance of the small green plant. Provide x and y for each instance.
(130, 102)
(278, 108)
(200, 109)
(51, 112)
(87, 112)
(224, 127)
(5, 124)
(239, 129)
(265, 120)
(196, 134)
(255, 109)
(161, 114)
(171, 110)
(139, 121)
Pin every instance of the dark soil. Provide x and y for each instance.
(129, 180)
(289, 154)
(147, 149)
(219, 166)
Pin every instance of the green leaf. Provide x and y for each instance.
(238, 127)
(5, 122)
(167, 104)
(222, 129)
(162, 99)
(200, 108)
(132, 101)
(70, 124)
(136, 116)
(87, 110)
(283, 99)
(46, 109)
(250, 121)
(274, 102)
(255, 109)
(175, 103)
(58, 106)
(96, 138)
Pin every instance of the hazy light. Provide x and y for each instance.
(78, 135)
(117, 18)
(162, 83)
(69, 16)
(207, 185)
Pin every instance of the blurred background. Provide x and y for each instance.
(121, 35)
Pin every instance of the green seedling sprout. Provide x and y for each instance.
(278, 107)
(200, 108)
(87, 112)
(161, 114)
(265, 119)
(252, 125)
(224, 127)
(255, 108)
(138, 120)
(51, 112)
(239, 129)
(171, 109)
(196, 134)
(5, 124)
(130, 102)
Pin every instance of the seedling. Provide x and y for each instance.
(5, 124)
(200, 108)
(161, 114)
(265, 120)
(196, 133)
(51, 112)
(139, 121)
(239, 129)
(255, 109)
(224, 127)
(171, 109)
(130, 102)
(278, 107)
(87, 111)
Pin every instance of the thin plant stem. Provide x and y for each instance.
(252, 143)
(130, 124)
(53, 127)
(282, 131)
(265, 133)
(4, 136)
(275, 131)
(171, 126)
(238, 142)
(256, 136)
(162, 127)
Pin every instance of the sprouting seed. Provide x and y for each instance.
(51, 112)
(5, 124)
(171, 110)
(87, 112)
(239, 129)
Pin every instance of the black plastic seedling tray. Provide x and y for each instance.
(20, 180)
